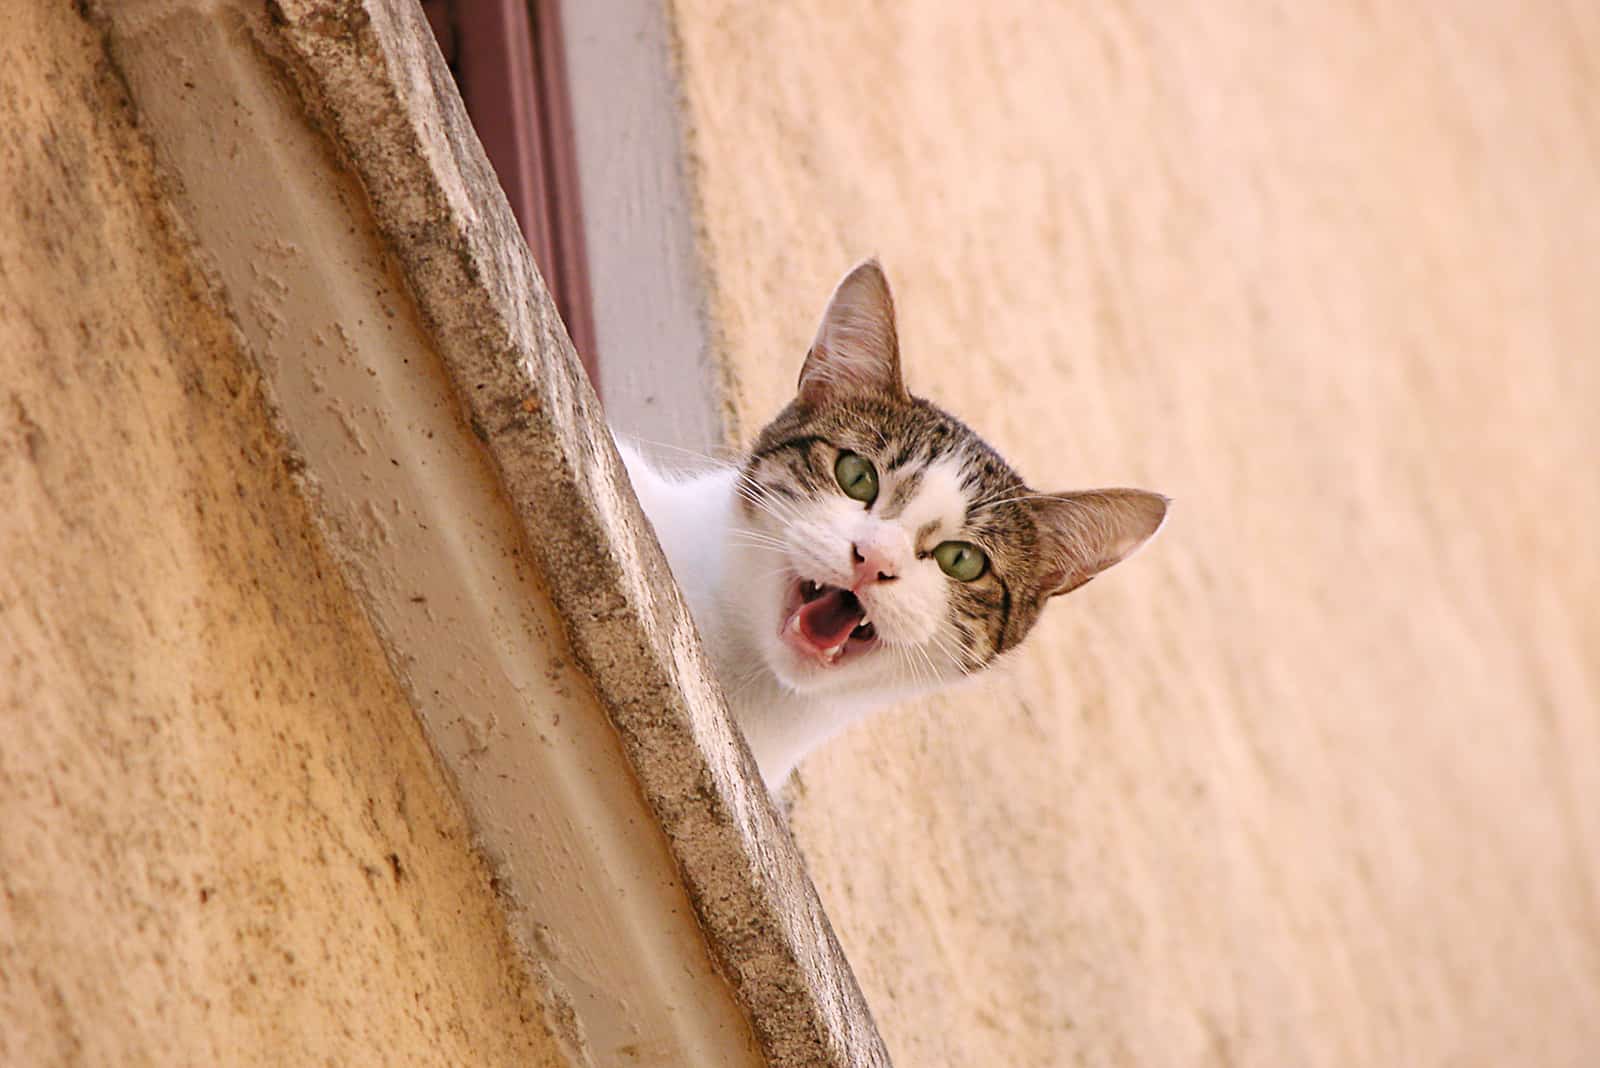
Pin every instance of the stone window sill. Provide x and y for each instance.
(326, 172)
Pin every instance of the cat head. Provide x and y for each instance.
(885, 549)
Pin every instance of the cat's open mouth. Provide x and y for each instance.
(826, 623)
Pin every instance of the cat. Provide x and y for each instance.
(869, 547)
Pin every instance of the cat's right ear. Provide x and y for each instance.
(855, 351)
(1085, 532)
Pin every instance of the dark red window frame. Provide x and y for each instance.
(509, 63)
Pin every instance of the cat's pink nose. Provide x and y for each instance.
(871, 564)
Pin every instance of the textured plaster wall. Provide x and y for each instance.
(223, 838)
(1313, 781)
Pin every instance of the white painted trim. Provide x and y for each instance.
(414, 511)
(657, 374)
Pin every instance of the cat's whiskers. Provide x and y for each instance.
(774, 573)
(922, 668)
(995, 503)
(781, 569)
(957, 654)
(755, 492)
(782, 511)
(712, 461)
(903, 659)
(756, 537)
(917, 674)
(934, 676)
(748, 537)
(772, 551)
(749, 483)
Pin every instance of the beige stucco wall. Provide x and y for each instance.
(223, 838)
(1313, 781)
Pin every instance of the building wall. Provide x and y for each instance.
(1312, 781)
(223, 838)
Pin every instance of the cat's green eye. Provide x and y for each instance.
(961, 560)
(857, 477)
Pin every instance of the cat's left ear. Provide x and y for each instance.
(855, 351)
(1088, 531)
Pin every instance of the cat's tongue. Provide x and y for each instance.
(828, 620)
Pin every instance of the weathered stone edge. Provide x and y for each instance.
(369, 72)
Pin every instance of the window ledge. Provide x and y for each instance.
(391, 303)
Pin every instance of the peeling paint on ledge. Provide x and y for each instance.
(399, 468)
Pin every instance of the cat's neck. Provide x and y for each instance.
(781, 726)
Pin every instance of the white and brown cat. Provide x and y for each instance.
(870, 546)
